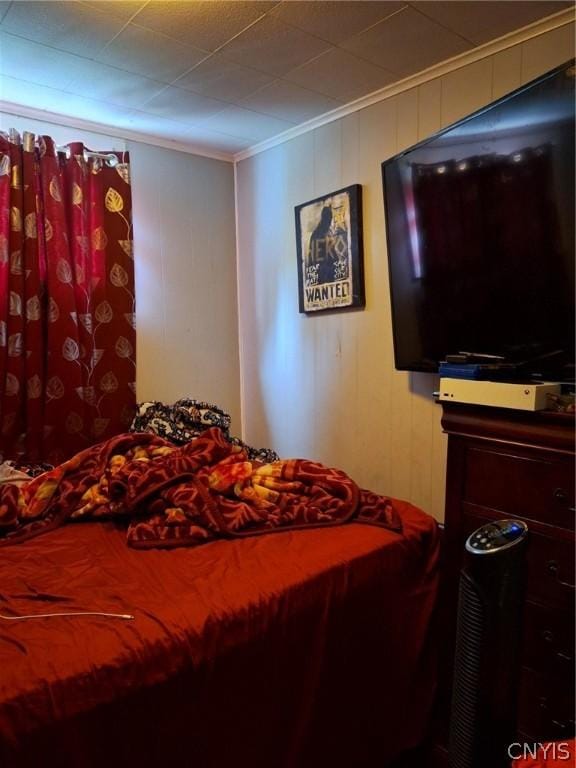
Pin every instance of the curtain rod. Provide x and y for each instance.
(29, 139)
(109, 157)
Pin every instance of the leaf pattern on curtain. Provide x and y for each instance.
(67, 332)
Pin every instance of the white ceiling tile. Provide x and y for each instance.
(277, 64)
(406, 43)
(206, 25)
(340, 75)
(37, 63)
(290, 102)
(334, 21)
(220, 78)
(92, 110)
(144, 122)
(483, 20)
(184, 106)
(4, 5)
(62, 103)
(216, 140)
(123, 9)
(99, 81)
(246, 124)
(68, 26)
(150, 54)
(20, 91)
(273, 47)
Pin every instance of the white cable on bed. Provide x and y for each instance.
(125, 616)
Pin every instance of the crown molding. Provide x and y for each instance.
(449, 65)
(18, 110)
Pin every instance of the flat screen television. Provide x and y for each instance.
(480, 234)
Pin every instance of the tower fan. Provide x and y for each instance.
(486, 670)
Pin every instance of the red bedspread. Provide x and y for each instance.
(306, 648)
(191, 494)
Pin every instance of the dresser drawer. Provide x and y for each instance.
(536, 487)
(548, 642)
(501, 464)
(550, 571)
(545, 707)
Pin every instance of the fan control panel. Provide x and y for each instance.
(496, 536)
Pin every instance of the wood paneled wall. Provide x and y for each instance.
(185, 260)
(325, 386)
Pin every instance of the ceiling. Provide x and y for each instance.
(221, 76)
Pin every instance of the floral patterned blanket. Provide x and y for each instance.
(185, 495)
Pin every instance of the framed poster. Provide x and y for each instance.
(329, 251)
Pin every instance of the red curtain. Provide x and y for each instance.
(67, 323)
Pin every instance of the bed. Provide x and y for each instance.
(299, 648)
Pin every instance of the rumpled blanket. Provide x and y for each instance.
(185, 495)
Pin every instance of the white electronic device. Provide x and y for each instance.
(498, 394)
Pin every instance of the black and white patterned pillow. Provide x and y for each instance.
(185, 419)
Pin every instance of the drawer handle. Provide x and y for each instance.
(560, 494)
(554, 569)
(563, 725)
(548, 636)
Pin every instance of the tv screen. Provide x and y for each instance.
(480, 233)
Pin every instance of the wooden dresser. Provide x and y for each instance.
(504, 463)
